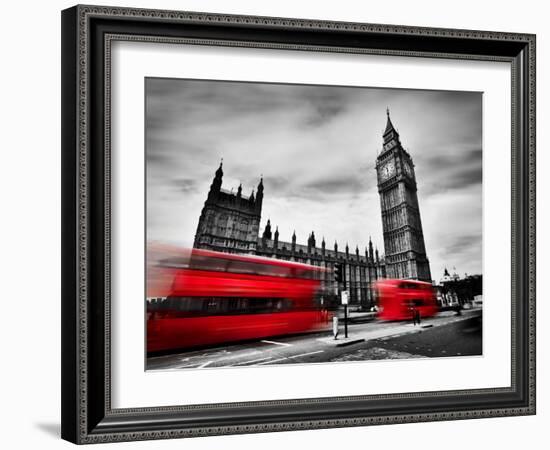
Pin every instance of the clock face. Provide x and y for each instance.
(387, 170)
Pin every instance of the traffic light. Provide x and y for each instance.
(338, 273)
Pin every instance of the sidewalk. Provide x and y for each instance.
(358, 317)
(354, 336)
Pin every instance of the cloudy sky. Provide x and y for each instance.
(316, 148)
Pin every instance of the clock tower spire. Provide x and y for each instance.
(390, 133)
(404, 246)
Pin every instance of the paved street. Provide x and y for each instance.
(457, 338)
(444, 335)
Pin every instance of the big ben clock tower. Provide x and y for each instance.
(403, 237)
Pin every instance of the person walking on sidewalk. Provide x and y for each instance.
(412, 309)
(417, 312)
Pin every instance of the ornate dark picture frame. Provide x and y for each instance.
(87, 34)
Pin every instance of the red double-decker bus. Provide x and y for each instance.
(401, 299)
(198, 298)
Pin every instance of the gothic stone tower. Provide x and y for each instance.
(229, 222)
(403, 237)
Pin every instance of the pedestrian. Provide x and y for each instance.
(413, 313)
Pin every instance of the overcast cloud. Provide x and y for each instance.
(316, 147)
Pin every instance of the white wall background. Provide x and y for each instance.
(30, 225)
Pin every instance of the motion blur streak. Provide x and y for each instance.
(198, 298)
(405, 300)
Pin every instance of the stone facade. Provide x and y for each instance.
(229, 222)
(403, 236)
(360, 270)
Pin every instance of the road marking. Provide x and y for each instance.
(284, 344)
(198, 365)
(254, 352)
(189, 366)
(251, 362)
(205, 364)
(291, 357)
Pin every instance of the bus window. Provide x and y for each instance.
(213, 305)
(205, 306)
(304, 273)
(254, 268)
(176, 262)
(201, 262)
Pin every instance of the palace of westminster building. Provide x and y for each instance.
(230, 222)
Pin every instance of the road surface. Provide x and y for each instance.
(444, 335)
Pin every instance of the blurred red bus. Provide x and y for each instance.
(399, 299)
(209, 298)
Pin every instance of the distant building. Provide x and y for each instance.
(445, 295)
(453, 290)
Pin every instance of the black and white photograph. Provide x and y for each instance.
(297, 224)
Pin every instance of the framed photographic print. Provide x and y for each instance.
(280, 224)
